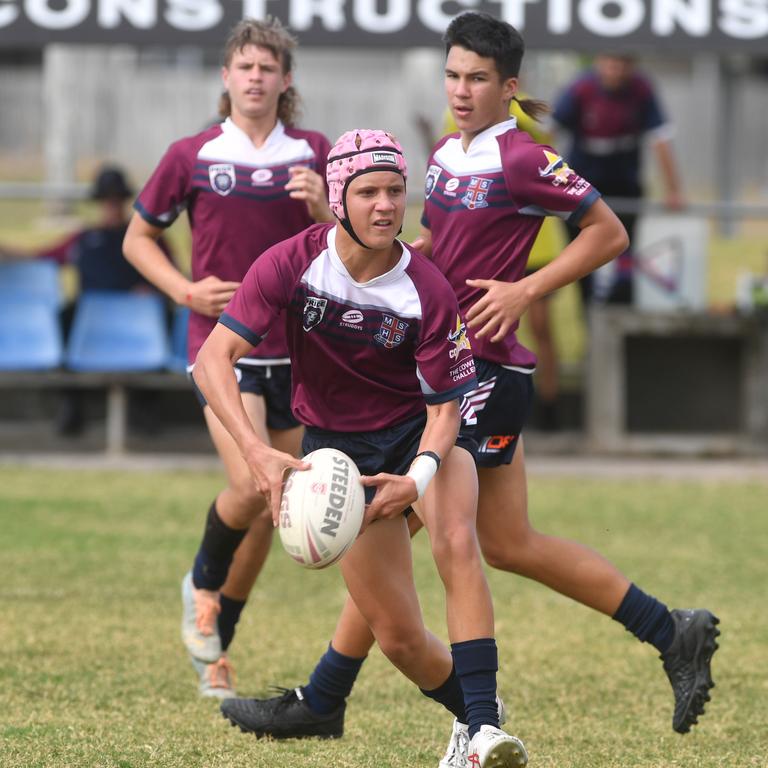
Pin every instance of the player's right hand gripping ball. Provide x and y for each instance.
(321, 510)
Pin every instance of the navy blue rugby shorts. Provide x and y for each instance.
(388, 450)
(273, 383)
(494, 413)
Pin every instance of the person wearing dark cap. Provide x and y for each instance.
(96, 254)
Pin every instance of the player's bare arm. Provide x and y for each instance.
(307, 185)
(208, 296)
(215, 376)
(602, 238)
(395, 492)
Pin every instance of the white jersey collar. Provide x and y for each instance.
(392, 274)
(277, 133)
(491, 133)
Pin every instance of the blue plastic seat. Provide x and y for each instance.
(177, 360)
(118, 331)
(30, 279)
(30, 335)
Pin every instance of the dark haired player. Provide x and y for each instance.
(487, 189)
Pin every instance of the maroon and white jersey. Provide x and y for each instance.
(366, 356)
(484, 208)
(237, 204)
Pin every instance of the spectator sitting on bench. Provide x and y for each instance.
(96, 253)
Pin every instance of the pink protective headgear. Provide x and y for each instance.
(356, 152)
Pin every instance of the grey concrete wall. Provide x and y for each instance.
(97, 103)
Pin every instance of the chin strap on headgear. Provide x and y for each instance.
(356, 152)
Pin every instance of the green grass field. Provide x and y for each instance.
(93, 672)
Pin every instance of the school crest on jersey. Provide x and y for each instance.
(314, 309)
(433, 174)
(392, 331)
(476, 195)
(222, 178)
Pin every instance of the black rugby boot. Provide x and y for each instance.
(287, 716)
(687, 664)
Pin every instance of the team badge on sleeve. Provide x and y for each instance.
(392, 331)
(222, 178)
(476, 195)
(433, 174)
(314, 309)
(556, 169)
(458, 337)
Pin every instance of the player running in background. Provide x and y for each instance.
(487, 189)
(247, 183)
(360, 385)
(547, 246)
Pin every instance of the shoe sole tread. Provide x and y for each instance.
(507, 754)
(703, 683)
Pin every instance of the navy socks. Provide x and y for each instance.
(646, 618)
(331, 681)
(216, 552)
(450, 695)
(476, 663)
(228, 618)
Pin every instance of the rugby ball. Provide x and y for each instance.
(321, 509)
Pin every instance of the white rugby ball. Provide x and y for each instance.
(321, 509)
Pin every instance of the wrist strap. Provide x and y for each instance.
(432, 455)
(423, 469)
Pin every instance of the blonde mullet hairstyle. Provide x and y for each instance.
(272, 35)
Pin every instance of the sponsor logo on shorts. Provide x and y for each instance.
(451, 186)
(458, 337)
(222, 178)
(314, 309)
(262, 177)
(476, 195)
(352, 318)
(392, 331)
(433, 174)
(496, 443)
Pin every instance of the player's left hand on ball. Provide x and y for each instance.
(498, 310)
(307, 185)
(268, 467)
(394, 493)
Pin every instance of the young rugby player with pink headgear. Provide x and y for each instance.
(384, 388)
(488, 187)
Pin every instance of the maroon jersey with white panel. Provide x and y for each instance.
(237, 203)
(484, 208)
(366, 356)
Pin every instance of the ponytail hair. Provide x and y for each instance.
(534, 108)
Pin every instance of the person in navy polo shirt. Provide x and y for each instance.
(609, 111)
(246, 184)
